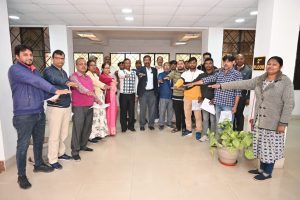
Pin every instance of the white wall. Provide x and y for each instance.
(7, 132)
(138, 46)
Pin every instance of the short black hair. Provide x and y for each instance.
(120, 63)
(228, 57)
(58, 52)
(173, 62)
(22, 47)
(147, 56)
(104, 64)
(193, 59)
(207, 54)
(89, 62)
(209, 59)
(278, 59)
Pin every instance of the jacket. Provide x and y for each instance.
(59, 79)
(246, 72)
(29, 89)
(274, 104)
(141, 88)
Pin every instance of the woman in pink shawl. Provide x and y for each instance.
(111, 98)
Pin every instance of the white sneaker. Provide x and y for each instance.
(204, 138)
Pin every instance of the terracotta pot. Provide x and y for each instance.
(228, 157)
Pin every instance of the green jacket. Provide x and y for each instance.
(174, 76)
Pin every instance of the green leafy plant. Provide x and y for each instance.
(231, 140)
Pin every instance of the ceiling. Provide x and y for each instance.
(146, 13)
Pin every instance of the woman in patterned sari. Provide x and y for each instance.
(99, 128)
(110, 98)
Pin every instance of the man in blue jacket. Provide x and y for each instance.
(29, 90)
(59, 112)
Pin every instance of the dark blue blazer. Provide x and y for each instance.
(143, 81)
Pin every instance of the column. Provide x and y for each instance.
(8, 136)
(277, 31)
(212, 41)
(61, 37)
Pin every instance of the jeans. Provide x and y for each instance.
(27, 126)
(220, 108)
(208, 118)
(147, 100)
(165, 105)
(267, 167)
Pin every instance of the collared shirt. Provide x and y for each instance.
(149, 85)
(127, 84)
(224, 97)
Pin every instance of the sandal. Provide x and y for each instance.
(174, 130)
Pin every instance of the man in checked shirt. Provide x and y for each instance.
(225, 100)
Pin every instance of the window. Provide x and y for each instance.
(187, 56)
(119, 57)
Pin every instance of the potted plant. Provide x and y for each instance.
(229, 143)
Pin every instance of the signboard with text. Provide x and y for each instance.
(259, 63)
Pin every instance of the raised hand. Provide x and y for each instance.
(72, 84)
(62, 92)
(215, 86)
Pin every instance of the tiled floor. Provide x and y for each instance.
(157, 165)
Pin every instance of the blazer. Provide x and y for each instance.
(141, 88)
(274, 104)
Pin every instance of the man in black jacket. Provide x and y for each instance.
(59, 112)
(147, 92)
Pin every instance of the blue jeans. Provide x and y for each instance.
(267, 167)
(27, 126)
(220, 108)
(209, 122)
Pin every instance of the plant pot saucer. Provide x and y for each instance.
(227, 164)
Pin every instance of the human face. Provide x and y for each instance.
(147, 61)
(160, 61)
(273, 67)
(127, 64)
(208, 65)
(122, 66)
(180, 65)
(106, 69)
(166, 67)
(240, 60)
(81, 66)
(173, 66)
(187, 65)
(138, 65)
(92, 67)
(228, 64)
(58, 60)
(25, 57)
(193, 64)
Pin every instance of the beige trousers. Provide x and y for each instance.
(58, 122)
(188, 116)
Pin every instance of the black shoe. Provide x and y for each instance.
(142, 128)
(87, 149)
(43, 168)
(98, 138)
(255, 171)
(161, 127)
(93, 140)
(65, 157)
(151, 128)
(23, 182)
(56, 165)
(170, 126)
(132, 130)
(262, 176)
(76, 158)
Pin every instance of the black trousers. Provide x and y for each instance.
(179, 114)
(127, 102)
(238, 122)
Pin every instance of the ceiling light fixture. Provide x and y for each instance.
(129, 18)
(13, 17)
(126, 10)
(189, 36)
(240, 20)
(254, 12)
(86, 34)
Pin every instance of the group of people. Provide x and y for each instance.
(171, 91)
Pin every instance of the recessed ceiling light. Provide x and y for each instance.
(180, 43)
(126, 10)
(86, 35)
(13, 17)
(254, 12)
(129, 18)
(240, 20)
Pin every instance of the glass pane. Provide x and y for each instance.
(133, 57)
(116, 58)
(165, 56)
(99, 60)
(199, 58)
(152, 58)
(48, 59)
(182, 56)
